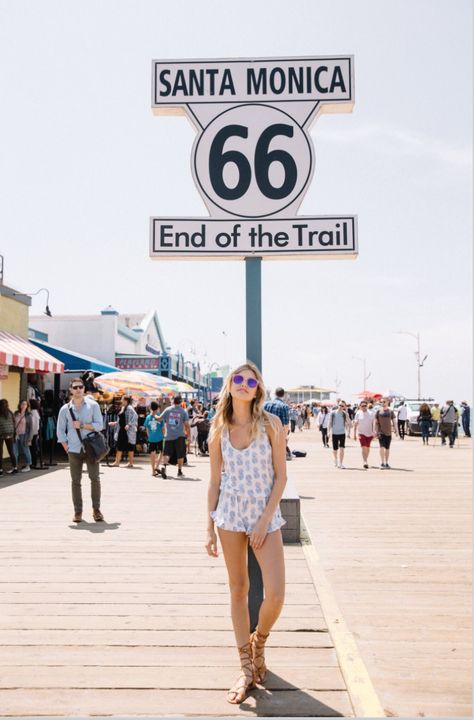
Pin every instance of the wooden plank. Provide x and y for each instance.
(164, 677)
(148, 656)
(155, 638)
(173, 702)
(134, 622)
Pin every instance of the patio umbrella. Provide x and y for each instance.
(184, 387)
(367, 395)
(133, 382)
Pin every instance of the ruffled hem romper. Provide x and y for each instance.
(246, 484)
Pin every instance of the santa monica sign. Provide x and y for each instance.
(253, 157)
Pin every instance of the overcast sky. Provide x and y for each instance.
(84, 164)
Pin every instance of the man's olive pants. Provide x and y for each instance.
(76, 461)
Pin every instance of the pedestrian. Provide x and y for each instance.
(384, 425)
(23, 434)
(244, 504)
(35, 440)
(323, 424)
(435, 417)
(448, 422)
(125, 432)
(154, 428)
(306, 417)
(364, 430)
(203, 425)
(193, 410)
(425, 421)
(76, 419)
(278, 407)
(293, 414)
(402, 417)
(466, 418)
(177, 431)
(299, 418)
(7, 436)
(339, 423)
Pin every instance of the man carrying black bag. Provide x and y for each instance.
(76, 420)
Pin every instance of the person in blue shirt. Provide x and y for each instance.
(154, 429)
(71, 431)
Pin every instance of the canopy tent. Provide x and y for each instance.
(74, 362)
(18, 352)
(134, 382)
(393, 394)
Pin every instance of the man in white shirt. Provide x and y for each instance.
(364, 430)
(402, 418)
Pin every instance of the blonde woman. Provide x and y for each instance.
(248, 476)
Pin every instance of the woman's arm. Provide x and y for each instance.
(278, 443)
(215, 456)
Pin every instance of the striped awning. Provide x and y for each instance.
(17, 351)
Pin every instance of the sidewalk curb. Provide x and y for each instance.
(361, 691)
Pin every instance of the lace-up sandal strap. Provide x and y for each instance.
(245, 682)
(258, 641)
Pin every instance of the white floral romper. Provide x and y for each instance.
(246, 483)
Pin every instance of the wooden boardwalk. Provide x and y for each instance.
(132, 617)
(396, 548)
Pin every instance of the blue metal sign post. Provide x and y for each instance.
(253, 316)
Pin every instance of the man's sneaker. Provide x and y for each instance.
(342, 467)
(13, 471)
(366, 467)
(180, 473)
(382, 467)
(25, 469)
(163, 472)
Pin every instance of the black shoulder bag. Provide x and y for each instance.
(94, 443)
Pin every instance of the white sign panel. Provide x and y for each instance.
(200, 238)
(262, 80)
(253, 157)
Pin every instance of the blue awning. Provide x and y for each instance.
(73, 361)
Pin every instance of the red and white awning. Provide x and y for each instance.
(17, 351)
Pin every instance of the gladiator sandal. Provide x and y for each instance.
(257, 644)
(245, 681)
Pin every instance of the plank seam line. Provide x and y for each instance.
(362, 694)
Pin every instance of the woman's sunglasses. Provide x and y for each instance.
(239, 380)
(77, 387)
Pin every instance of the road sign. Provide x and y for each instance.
(253, 157)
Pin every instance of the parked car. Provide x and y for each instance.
(413, 408)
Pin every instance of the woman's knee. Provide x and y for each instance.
(275, 597)
(239, 590)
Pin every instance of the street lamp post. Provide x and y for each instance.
(366, 375)
(419, 362)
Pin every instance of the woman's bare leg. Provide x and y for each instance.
(130, 457)
(234, 547)
(272, 564)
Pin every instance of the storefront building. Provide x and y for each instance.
(19, 359)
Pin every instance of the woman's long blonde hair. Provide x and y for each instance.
(259, 417)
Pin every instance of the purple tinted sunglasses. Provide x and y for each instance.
(239, 380)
